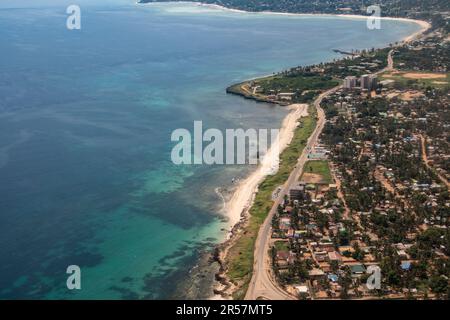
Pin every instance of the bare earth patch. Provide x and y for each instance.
(311, 177)
(391, 74)
(411, 95)
(392, 95)
(413, 75)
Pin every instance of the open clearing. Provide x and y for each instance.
(411, 95)
(423, 79)
(316, 171)
(413, 75)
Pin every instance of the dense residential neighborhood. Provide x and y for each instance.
(379, 194)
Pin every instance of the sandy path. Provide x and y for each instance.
(423, 146)
(414, 75)
(244, 194)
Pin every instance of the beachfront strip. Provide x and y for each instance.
(375, 191)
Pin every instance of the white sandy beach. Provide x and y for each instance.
(244, 194)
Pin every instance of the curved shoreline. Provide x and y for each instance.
(232, 208)
(236, 209)
(238, 206)
(422, 23)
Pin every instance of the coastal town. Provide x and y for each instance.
(225, 158)
(370, 189)
(375, 189)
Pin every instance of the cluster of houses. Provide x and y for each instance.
(403, 112)
(320, 249)
(272, 95)
(403, 108)
(429, 53)
(327, 262)
(437, 145)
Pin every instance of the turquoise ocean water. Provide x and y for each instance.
(85, 124)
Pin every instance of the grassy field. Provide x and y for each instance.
(240, 256)
(282, 245)
(318, 167)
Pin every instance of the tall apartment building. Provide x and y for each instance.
(368, 81)
(350, 82)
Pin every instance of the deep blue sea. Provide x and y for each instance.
(85, 122)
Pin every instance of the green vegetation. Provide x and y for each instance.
(243, 89)
(305, 87)
(300, 85)
(368, 61)
(240, 256)
(319, 167)
(282, 245)
(419, 59)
